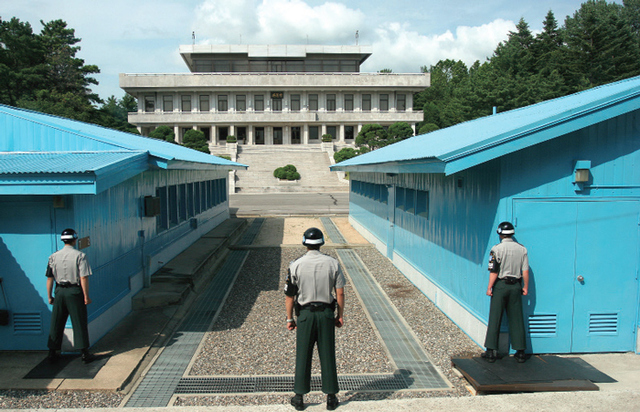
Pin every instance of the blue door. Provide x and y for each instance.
(584, 262)
(391, 220)
(26, 241)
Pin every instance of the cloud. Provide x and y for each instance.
(276, 22)
(405, 51)
(395, 45)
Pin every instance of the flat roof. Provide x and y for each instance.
(272, 51)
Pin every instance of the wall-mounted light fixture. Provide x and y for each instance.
(581, 174)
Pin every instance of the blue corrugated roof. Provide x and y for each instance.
(468, 144)
(29, 131)
(47, 162)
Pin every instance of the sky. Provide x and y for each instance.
(144, 36)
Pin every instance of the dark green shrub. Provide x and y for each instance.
(327, 137)
(344, 154)
(231, 139)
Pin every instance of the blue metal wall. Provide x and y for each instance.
(451, 246)
(122, 239)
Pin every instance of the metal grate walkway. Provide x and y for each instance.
(332, 231)
(162, 379)
(405, 350)
(254, 384)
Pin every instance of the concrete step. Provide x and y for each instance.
(190, 269)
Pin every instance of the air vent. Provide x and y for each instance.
(27, 323)
(543, 325)
(603, 323)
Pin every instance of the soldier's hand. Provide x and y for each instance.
(525, 291)
(50, 301)
(87, 300)
(489, 292)
(339, 322)
(291, 325)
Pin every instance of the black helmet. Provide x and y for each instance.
(313, 237)
(68, 235)
(506, 228)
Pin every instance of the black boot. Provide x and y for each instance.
(332, 402)
(87, 357)
(520, 356)
(297, 402)
(53, 356)
(490, 355)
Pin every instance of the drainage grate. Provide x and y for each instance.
(252, 231)
(257, 384)
(332, 231)
(405, 350)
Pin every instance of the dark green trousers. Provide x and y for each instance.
(509, 298)
(316, 327)
(69, 302)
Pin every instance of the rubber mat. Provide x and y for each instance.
(67, 367)
(538, 374)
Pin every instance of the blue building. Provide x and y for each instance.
(135, 202)
(566, 172)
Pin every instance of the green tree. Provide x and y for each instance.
(371, 136)
(344, 154)
(66, 73)
(163, 133)
(195, 139)
(428, 128)
(22, 62)
(399, 131)
(115, 113)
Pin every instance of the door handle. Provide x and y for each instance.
(580, 278)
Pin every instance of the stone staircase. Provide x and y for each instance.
(312, 164)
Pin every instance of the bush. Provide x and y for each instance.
(194, 139)
(231, 139)
(288, 172)
(327, 137)
(225, 157)
(428, 128)
(163, 133)
(344, 154)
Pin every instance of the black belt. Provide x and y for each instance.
(66, 285)
(510, 280)
(317, 306)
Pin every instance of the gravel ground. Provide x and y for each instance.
(29, 399)
(250, 338)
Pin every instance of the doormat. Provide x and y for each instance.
(540, 373)
(68, 366)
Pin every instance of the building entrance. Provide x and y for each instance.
(295, 135)
(259, 135)
(277, 135)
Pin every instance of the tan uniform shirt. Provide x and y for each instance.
(316, 276)
(68, 265)
(512, 257)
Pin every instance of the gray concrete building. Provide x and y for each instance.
(273, 94)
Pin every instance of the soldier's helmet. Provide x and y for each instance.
(68, 235)
(313, 237)
(506, 228)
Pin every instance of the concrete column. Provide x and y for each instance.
(323, 131)
(341, 132)
(359, 128)
(176, 132)
(268, 135)
(232, 130)
(214, 134)
(250, 139)
(305, 134)
(286, 135)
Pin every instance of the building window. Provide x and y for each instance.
(348, 102)
(422, 203)
(167, 103)
(259, 103)
(331, 102)
(314, 133)
(223, 104)
(401, 102)
(186, 103)
(149, 104)
(366, 102)
(204, 103)
(384, 102)
(349, 132)
(276, 105)
(333, 131)
(295, 102)
(241, 103)
(313, 102)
